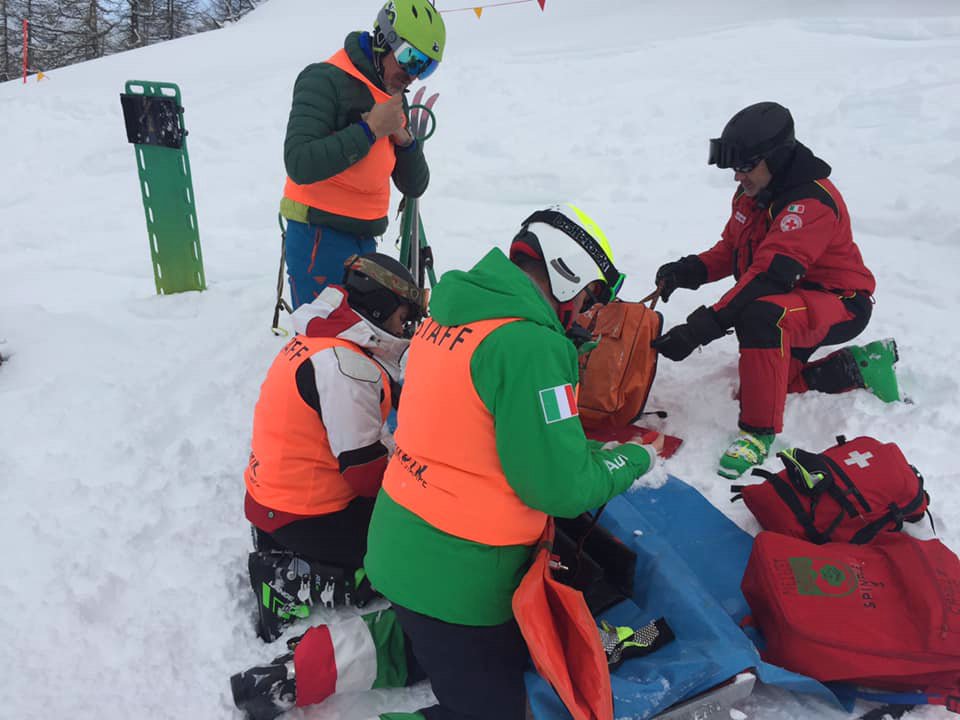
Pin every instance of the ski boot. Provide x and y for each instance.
(287, 587)
(875, 363)
(265, 691)
(281, 582)
(746, 451)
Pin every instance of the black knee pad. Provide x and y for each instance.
(758, 325)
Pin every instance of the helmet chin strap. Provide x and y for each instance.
(380, 48)
(565, 314)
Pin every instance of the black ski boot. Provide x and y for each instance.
(287, 587)
(265, 691)
(281, 584)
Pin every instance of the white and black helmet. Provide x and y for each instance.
(574, 250)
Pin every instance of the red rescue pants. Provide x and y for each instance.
(777, 335)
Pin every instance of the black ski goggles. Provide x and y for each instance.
(612, 278)
(724, 155)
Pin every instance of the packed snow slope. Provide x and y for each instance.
(125, 417)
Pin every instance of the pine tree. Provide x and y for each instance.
(5, 59)
(222, 12)
(175, 18)
(135, 21)
(62, 32)
(11, 39)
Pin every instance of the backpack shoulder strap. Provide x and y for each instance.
(785, 492)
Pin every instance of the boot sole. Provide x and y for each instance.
(730, 474)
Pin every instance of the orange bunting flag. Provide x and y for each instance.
(478, 11)
(542, 3)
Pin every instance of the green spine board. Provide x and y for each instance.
(168, 204)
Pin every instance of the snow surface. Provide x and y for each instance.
(125, 417)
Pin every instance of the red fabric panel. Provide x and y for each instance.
(563, 639)
(366, 479)
(766, 373)
(316, 666)
(266, 518)
(342, 317)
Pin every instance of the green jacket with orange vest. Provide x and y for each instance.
(487, 446)
(325, 142)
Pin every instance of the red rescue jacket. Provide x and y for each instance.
(795, 233)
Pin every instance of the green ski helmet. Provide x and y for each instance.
(414, 30)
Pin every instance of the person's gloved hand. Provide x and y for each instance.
(385, 118)
(701, 328)
(687, 272)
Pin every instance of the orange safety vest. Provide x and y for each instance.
(292, 468)
(361, 191)
(445, 468)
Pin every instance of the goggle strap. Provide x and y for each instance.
(613, 277)
(399, 286)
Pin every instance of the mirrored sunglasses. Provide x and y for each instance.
(414, 62)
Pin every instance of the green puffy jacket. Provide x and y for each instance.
(551, 466)
(324, 138)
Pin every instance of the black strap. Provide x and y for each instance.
(840, 496)
(869, 531)
(932, 526)
(785, 491)
(895, 711)
(895, 516)
(281, 303)
(583, 538)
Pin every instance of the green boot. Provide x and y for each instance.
(875, 362)
(745, 452)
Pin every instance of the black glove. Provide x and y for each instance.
(701, 328)
(676, 344)
(687, 272)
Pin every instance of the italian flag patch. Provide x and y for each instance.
(559, 403)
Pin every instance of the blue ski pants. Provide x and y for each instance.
(315, 255)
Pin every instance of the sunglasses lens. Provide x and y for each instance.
(747, 166)
(413, 62)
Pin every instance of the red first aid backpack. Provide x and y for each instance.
(885, 615)
(848, 493)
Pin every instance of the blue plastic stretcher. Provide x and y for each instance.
(690, 561)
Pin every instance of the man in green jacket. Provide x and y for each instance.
(347, 137)
(489, 445)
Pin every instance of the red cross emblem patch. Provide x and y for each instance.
(791, 222)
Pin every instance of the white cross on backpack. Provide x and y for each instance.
(858, 458)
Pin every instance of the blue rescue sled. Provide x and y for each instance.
(690, 561)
